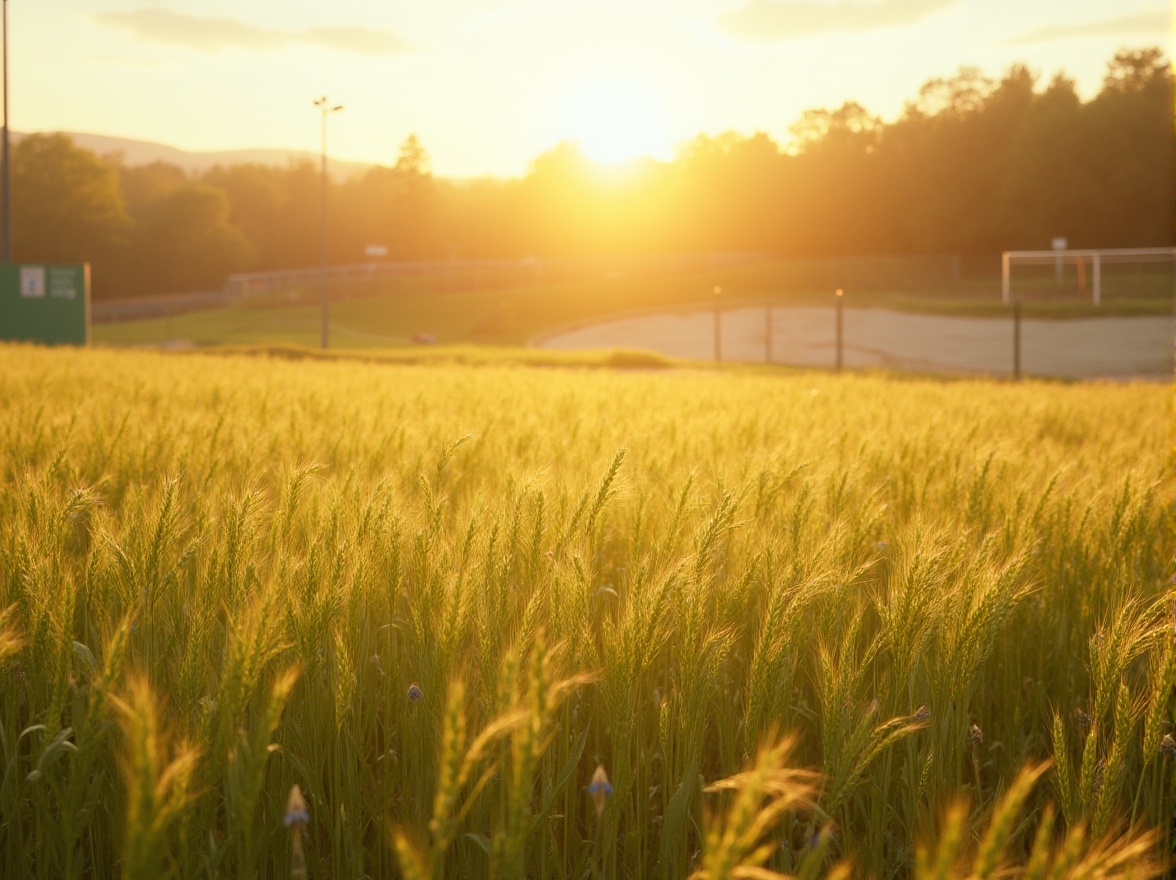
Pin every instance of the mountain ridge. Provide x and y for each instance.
(139, 152)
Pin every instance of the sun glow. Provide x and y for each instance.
(614, 120)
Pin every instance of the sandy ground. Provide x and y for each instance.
(1132, 347)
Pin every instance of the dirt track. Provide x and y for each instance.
(1130, 347)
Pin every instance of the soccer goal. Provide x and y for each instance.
(1146, 270)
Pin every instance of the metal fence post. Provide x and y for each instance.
(718, 328)
(1096, 271)
(768, 333)
(1004, 278)
(840, 294)
(1017, 340)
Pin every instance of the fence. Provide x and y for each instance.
(837, 335)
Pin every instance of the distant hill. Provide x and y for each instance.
(136, 152)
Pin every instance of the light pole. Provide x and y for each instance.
(326, 109)
(7, 182)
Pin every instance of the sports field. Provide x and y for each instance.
(511, 622)
(464, 307)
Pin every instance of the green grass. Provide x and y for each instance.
(221, 577)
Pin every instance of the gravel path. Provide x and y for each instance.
(1121, 348)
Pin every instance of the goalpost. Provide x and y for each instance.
(1084, 260)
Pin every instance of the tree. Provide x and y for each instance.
(394, 206)
(67, 207)
(1136, 71)
(1130, 152)
(412, 160)
(143, 185)
(277, 209)
(849, 128)
(188, 243)
(1043, 193)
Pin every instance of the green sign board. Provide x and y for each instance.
(45, 303)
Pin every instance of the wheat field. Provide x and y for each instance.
(571, 623)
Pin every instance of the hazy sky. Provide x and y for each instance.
(490, 84)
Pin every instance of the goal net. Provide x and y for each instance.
(1123, 273)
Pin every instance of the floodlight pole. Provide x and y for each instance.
(7, 183)
(326, 109)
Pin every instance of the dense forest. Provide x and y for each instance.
(972, 165)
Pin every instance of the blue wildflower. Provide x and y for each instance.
(600, 788)
(296, 812)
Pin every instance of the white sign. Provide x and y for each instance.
(32, 281)
(62, 282)
(1060, 244)
(375, 250)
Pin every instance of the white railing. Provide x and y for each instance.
(532, 267)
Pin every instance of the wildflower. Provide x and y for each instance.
(818, 836)
(1168, 746)
(415, 692)
(922, 715)
(296, 816)
(296, 813)
(599, 788)
(976, 734)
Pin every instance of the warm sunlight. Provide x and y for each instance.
(614, 120)
(630, 439)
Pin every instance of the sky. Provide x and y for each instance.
(488, 85)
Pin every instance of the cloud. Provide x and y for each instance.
(772, 21)
(1141, 24)
(362, 41)
(211, 34)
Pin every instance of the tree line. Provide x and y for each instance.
(973, 165)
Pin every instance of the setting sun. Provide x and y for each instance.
(614, 120)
